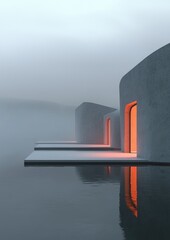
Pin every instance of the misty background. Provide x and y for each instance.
(71, 51)
(55, 55)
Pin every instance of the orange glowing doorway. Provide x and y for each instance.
(131, 127)
(108, 129)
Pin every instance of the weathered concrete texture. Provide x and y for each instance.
(114, 129)
(89, 119)
(149, 84)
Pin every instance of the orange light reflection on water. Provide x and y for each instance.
(108, 170)
(131, 194)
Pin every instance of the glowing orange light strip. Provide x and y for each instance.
(133, 129)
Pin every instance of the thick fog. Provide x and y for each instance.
(70, 51)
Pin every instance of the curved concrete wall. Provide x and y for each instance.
(149, 84)
(89, 119)
(114, 129)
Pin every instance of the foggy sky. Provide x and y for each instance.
(70, 51)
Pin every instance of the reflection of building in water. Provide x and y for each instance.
(143, 201)
(148, 216)
(99, 173)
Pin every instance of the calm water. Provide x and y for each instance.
(87, 202)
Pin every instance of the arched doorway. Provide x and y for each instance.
(130, 140)
(133, 129)
(108, 133)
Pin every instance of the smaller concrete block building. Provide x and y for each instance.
(112, 129)
(89, 118)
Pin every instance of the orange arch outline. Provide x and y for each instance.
(108, 131)
(128, 108)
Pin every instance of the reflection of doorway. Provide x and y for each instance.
(108, 137)
(131, 127)
(131, 194)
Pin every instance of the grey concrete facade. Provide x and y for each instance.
(149, 85)
(114, 118)
(89, 126)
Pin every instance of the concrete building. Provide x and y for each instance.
(142, 127)
(89, 120)
(144, 107)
